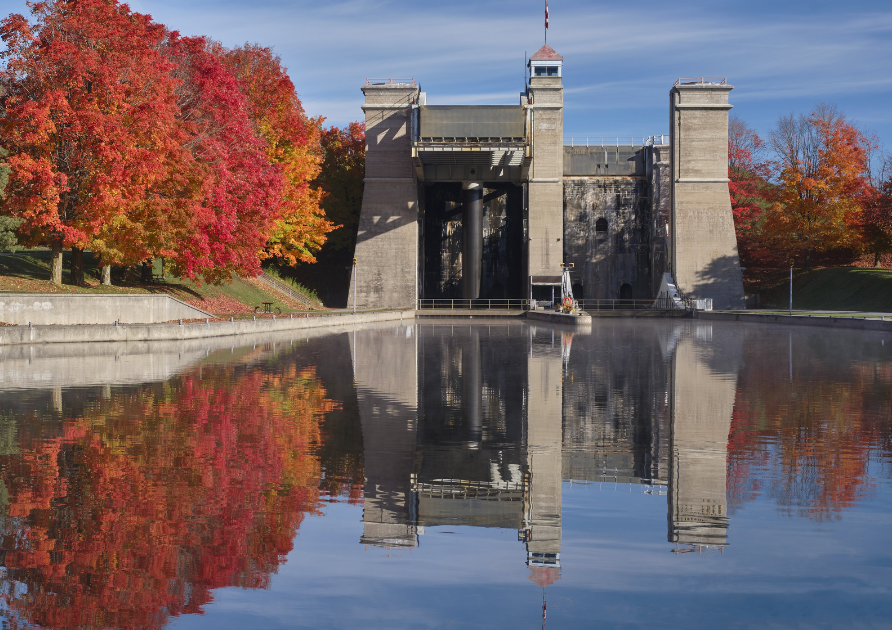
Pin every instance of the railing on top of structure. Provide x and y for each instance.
(287, 289)
(702, 81)
(621, 141)
(618, 304)
(390, 82)
(479, 304)
(660, 304)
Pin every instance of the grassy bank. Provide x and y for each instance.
(830, 288)
(29, 271)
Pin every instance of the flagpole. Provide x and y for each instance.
(546, 21)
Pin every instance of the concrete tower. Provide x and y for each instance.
(701, 227)
(545, 204)
(387, 241)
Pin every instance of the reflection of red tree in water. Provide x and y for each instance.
(807, 444)
(133, 512)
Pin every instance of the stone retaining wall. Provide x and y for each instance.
(44, 309)
(15, 335)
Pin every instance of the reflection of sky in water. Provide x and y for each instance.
(806, 466)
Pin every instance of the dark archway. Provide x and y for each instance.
(601, 225)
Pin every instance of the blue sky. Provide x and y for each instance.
(781, 56)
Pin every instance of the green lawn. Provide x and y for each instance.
(835, 289)
(29, 271)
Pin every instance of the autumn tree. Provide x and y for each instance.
(748, 175)
(821, 181)
(292, 142)
(341, 177)
(239, 191)
(876, 215)
(89, 118)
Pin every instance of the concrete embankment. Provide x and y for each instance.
(560, 318)
(44, 309)
(14, 335)
(846, 323)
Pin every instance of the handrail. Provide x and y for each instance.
(617, 304)
(702, 81)
(619, 141)
(476, 304)
(288, 290)
(390, 82)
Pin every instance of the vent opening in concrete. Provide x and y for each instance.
(601, 225)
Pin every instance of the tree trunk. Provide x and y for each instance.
(56, 263)
(77, 267)
(106, 275)
(876, 259)
(146, 273)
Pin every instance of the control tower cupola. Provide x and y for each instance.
(545, 63)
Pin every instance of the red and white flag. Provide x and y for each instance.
(546, 15)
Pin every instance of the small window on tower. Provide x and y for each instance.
(552, 71)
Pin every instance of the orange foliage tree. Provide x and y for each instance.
(822, 180)
(133, 511)
(292, 142)
(89, 119)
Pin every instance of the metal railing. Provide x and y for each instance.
(621, 141)
(702, 81)
(390, 82)
(287, 289)
(660, 304)
(482, 304)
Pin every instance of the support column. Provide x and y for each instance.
(472, 386)
(472, 239)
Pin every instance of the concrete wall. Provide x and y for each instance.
(545, 221)
(606, 260)
(387, 240)
(10, 336)
(702, 239)
(50, 308)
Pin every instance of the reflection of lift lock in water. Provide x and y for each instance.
(568, 304)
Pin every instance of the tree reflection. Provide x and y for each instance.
(805, 432)
(133, 510)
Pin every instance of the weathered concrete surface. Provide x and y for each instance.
(566, 319)
(847, 323)
(69, 309)
(702, 239)
(545, 220)
(386, 271)
(606, 237)
(14, 335)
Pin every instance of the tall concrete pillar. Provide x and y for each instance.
(545, 201)
(701, 227)
(386, 271)
(471, 239)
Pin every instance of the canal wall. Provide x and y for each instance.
(847, 323)
(14, 335)
(43, 309)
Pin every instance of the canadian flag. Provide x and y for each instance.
(546, 14)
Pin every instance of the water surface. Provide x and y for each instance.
(444, 474)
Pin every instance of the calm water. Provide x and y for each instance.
(441, 475)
